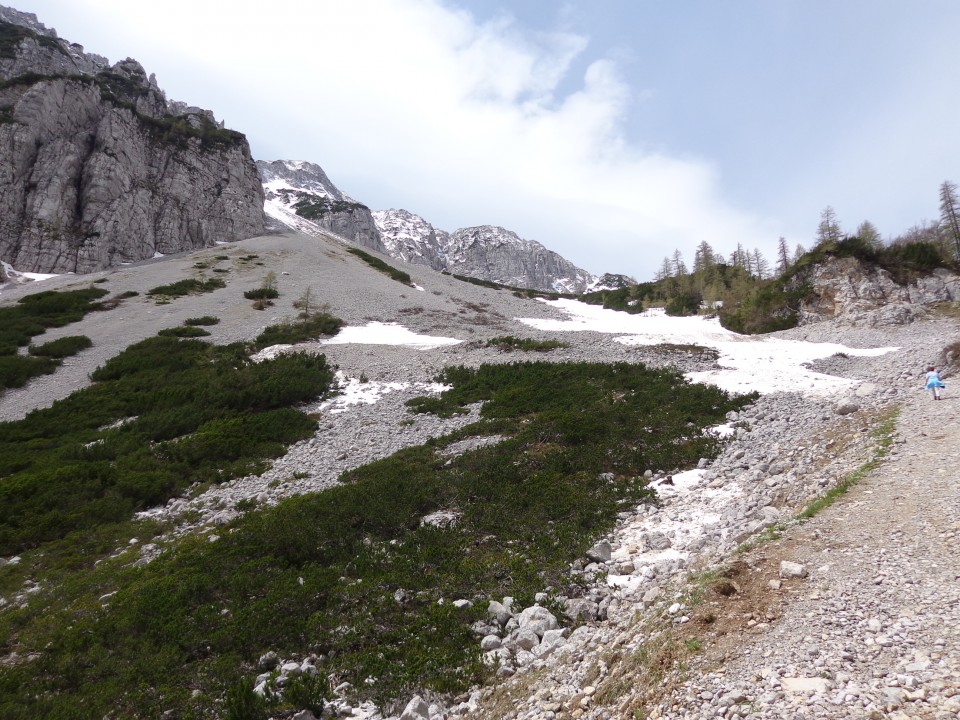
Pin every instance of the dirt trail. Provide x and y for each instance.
(874, 630)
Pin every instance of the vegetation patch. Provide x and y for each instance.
(204, 320)
(375, 262)
(314, 207)
(189, 286)
(185, 331)
(353, 572)
(31, 316)
(12, 35)
(508, 342)
(203, 414)
(64, 347)
(302, 330)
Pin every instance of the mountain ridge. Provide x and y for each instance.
(485, 252)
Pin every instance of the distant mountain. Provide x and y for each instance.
(611, 281)
(98, 168)
(299, 195)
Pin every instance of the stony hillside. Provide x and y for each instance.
(716, 600)
(99, 168)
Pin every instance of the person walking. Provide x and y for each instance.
(934, 383)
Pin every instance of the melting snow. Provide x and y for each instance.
(378, 333)
(353, 391)
(747, 363)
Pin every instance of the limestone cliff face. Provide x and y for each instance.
(846, 290)
(97, 168)
(488, 251)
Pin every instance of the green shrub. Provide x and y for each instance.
(332, 565)
(203, 414)
(205, 320)
(190, 286)
(303, 330)
(187, 331)
(508, 342)
(64, 347)
(31, 316)
(261, 293)
(375, 262)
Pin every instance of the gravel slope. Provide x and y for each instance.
(872, 630)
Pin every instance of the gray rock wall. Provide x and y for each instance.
(844, 289)
(95, 171)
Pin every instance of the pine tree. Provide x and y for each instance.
(950, 214)
(798, 252)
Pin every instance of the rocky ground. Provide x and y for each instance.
(687, 614)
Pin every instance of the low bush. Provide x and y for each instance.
(190, 286)
(353, 572)
(508, 342)
(375, 262)
(64, 347)
(31, 316)
(261, 293)
(303, 330)
(203, 414)
(205, 320)
(186, 331)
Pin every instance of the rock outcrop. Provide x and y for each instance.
(847, 290)
(99, 168)
(300, 195)
(412, 239)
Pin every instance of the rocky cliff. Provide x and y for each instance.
(300, 195)
(99, 168)
(855, 293)
(498, 254)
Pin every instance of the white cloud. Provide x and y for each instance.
(410, 103)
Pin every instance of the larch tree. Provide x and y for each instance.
(868, 232)
(760, 266)
(783, 256)
(665, 270)
(679, 268)
(950, 214)
(828, 231)
(798, 252)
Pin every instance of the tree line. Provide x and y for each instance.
(942, 234)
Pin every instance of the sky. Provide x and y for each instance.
(614, 132)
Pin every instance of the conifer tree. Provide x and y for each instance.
(950, 214)
(783, 256)
(868, 232)
(828, 231)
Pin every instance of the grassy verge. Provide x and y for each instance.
(353, 574)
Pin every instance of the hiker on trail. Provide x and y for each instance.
(934, 383)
